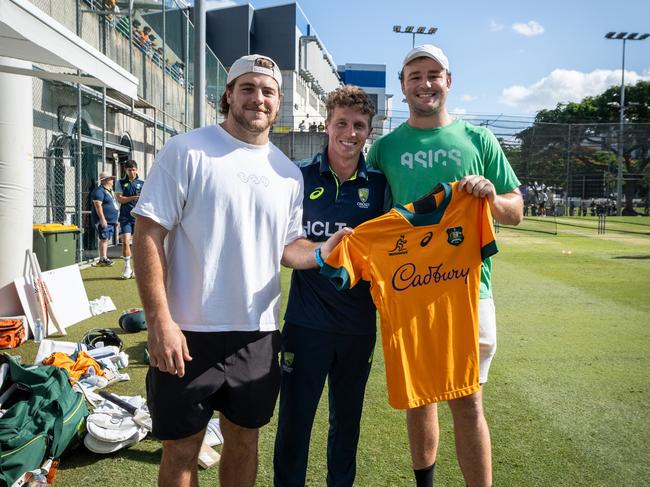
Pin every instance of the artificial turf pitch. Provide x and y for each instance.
(567, 401)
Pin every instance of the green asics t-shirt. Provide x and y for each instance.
(416, 160)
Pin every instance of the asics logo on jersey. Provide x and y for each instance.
(430, 157)
(399, 247)
(406, 276)
(317, 193)
(427, 238)
(252, 178)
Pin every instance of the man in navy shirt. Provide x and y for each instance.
(327, 333)
(104, 215)
(128, 193)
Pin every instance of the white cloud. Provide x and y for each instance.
(495, 26)
(468, 98)
(530, 29)
(563, 86)
(459, 111)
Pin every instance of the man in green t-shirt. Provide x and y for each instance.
(429, 148)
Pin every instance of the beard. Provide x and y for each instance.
(426, 110)
(257, 125)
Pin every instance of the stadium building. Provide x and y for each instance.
(86, 85)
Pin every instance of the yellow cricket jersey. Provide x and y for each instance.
(424, 269)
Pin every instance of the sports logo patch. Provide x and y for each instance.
(399, 247)
(287, 362)
(363, 194)
(426, 239)
(455, 235)
(317, 193)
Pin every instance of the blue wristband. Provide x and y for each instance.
(319, 257)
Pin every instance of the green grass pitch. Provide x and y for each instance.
(567, 401)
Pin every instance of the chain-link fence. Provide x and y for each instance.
(578, 164)
(152, 40)
(54, 184)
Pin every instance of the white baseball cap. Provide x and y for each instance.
(255, 63)
(427, 50)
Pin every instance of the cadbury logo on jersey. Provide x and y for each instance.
(406, 276)
(455, 235)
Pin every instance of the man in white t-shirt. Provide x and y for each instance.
(222, 208)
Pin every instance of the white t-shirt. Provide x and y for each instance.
(230, 208)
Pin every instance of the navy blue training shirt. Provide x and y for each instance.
(100, 193)
(128, 188)
(329, 205)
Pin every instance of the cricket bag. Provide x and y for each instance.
(44, 417)
(12, 333)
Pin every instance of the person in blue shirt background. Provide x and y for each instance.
(104, 215)
(127, 192)
(327, 333)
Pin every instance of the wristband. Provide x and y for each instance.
(319, 257)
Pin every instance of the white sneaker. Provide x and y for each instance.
(127, 274)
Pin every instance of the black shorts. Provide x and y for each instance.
(236, 373)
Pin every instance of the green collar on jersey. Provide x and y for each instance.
(433, 217)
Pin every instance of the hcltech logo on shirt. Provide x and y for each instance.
(322, 229)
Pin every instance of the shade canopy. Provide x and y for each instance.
(28, 33)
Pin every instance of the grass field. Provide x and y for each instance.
(567, 401)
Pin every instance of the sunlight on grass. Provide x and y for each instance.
(568, 392)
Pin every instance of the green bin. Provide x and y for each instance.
(55, 245)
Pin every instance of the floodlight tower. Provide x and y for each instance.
(622, 36)
(409, 29)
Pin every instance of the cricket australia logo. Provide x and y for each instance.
(455, 235)
(287, 362)
(399, 247)
(363, 197)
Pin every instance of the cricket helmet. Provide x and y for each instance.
(101, 337)
(132, 320)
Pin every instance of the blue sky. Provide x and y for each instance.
(506, 57)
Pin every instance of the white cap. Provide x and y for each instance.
(254, 64)
(427, 50)
(105, 175)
